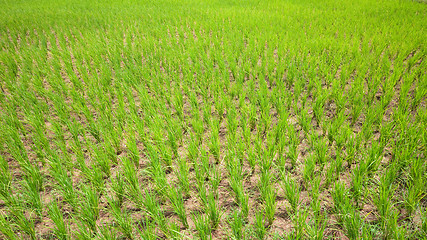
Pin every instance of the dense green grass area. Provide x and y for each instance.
(213, 119)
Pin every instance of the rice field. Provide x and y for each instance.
(220, 119)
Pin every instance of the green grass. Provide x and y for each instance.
(213, 119)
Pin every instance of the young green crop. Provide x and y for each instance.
(175, 196)
(292, 192)
(118, 187)
(60, 230)
(213, 210)
(236, 221)
(124, 124)
(5, 180)
(6, 228)
(122, 218)
(202, 226)
(259, 226)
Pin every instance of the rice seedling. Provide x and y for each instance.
(202, 226)
(235, 181)
(121, 218)
(155, 211)
(316, 229)
(213, 210)
(23, 223)
(106, 232)
(175, 231)
(65, 184)
(177, 201)
(292, 192)
(259, 226)
(309, 167)
(147, 232)
(214, 142)
(118, 187)
(83, 231)
(270, 206)
(6, 228)
(215, 178)
(183, 177)
(315, 196)
(89, 207)
(237, 225)
(60, 230)
(300, 222)
(5, 180)
(293, 146)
